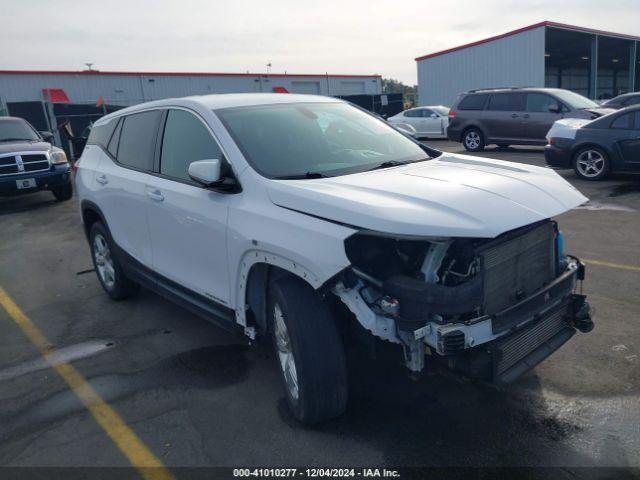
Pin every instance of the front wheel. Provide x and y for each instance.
(591, 163)
(473, 140)
(309, 351)
(62, 192)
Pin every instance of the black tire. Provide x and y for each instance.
(122, 286)
(62, 192)
(601, 163)
(316, 347)
(473, 140)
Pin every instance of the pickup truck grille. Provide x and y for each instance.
(17, 163)
(516, 266)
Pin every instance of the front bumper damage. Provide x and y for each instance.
(497, 348)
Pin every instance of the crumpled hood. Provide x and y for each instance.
(451, 196)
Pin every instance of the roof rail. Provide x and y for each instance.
(499, 88)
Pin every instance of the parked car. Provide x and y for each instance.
(429, 122)
(514, 116)
(299, 217)
(595, 148)
(622, 101)
(29, 163)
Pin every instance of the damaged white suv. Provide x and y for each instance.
(298, 216)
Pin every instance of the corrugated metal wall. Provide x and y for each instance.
(132, 89)
(517, 60)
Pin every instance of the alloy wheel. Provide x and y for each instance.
(104, 261)
(472, 140)
(590, 163)
(285, 352)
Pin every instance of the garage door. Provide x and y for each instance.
(351, 88)
(312, 88)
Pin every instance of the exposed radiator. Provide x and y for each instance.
(517, 266)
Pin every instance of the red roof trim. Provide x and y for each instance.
(153, 74)
(546, 23)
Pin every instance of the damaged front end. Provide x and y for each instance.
(489, 308)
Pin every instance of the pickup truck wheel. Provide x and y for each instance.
(63, 192)
(108, 268)
(309, 351)
(473, 140)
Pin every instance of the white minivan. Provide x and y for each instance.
(299, 217)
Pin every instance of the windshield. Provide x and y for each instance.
(575, 100)
(444, 111)
(308, 140)
(15, 130)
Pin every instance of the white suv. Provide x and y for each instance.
(302, 216)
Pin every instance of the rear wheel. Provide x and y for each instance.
(591, 163)
(473, 140)
(62, 192)
(309, 351)
(108, 268)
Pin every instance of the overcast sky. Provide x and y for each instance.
(297, 36)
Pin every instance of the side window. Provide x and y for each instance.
(112, 148)
(186, 139)
(507, 102)
(473, 102)
(100, 134)
(412, 113)
(426, 112)
(541, 103)
(632, 101)
(137, 140)
(622, 122)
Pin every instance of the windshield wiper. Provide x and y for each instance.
(308, 175)
(395, 163)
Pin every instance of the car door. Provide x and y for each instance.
(431, 123)
(187, 222)
(121, 179)
(629, 139)
(414, 118)
(504, 116)
(541, 111)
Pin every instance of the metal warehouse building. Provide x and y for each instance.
(129, 88)
(591, 62)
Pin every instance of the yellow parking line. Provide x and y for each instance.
(612, 265)
(149, 466)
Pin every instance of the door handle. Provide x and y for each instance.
(514, 115)
(155, 194)
(526, 115)
(102, 179)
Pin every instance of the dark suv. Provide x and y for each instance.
(622, 101)
(28, 163)
(514, 116)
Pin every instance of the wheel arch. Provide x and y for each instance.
(257, 269)
(590, 144)
(477, 127)
(91, 213)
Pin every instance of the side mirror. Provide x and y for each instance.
(205, 172)
(433, 115)
(555, 108)
(46, 135)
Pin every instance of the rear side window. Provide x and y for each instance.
(186, 139)
(112, 148)
(623, 121)
(100, 134)
(137, 140)
(507, 102)
(473, 102)
(541, 103)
